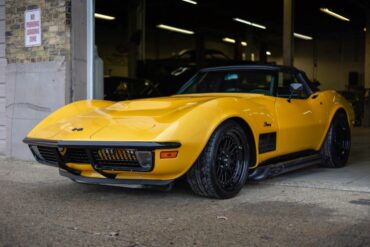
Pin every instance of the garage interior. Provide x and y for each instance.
(148, 48)
(140, 54)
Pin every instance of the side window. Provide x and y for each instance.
(283, 87)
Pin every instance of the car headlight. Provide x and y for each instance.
(145, 159)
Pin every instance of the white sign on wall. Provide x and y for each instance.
(32, 27)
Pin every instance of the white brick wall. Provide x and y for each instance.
(2, 32)
(2, 79)
(2, 12)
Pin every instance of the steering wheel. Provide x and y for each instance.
(233, 89)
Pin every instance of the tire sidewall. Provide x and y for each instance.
(330, 154)
(341, 120)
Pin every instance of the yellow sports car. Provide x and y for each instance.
(225, 125)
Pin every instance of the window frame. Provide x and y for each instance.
(300, 79)
(300, 75)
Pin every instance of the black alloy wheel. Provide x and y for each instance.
(222, 168)
(230, 160)
(336, 148)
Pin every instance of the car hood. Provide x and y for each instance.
(133, 120)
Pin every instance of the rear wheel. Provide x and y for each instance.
(337, 145)
(222, 168)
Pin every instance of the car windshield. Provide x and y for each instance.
(232, 81)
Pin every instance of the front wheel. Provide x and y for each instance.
(337, 145)
(222, 168)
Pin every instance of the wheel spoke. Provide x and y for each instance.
(228, 161)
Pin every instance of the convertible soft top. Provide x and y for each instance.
(253, 66)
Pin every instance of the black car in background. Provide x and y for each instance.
(122, 88)
(171, 73)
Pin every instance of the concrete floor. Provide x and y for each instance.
(311, 207)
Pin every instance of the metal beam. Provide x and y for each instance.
(366, 121)
(288, 27)
(90, 8)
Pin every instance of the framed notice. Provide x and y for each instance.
(32, 27)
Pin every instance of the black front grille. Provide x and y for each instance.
(118, 159)
(75, 155)
(48, 154)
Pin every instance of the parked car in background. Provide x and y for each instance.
(122, 88)
(171, 73)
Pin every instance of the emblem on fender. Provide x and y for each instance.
(77, 129)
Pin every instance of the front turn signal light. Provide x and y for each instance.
(168, 154)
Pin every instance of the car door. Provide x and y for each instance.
(301, 117)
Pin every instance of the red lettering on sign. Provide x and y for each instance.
(32, 39)
(32, 24)
(32, 31)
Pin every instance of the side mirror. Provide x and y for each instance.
(295, 88)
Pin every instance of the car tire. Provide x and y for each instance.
(222, 168)
(337, 145)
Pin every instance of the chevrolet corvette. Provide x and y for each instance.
(224, 126)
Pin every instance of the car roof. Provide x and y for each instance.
(252, 66)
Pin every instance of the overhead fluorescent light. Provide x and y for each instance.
(190, 1)
(229, 40)
(175, 29)
(329, 12)
(244, 43)
(302, 36)
(232, 41)
(249, 23)
(268, 53)
(364, 29)
(104, 17)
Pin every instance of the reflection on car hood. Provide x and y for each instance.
(133, 120)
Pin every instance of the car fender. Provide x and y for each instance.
(195, 128)
(337, 102)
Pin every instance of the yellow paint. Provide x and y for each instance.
(191, 120)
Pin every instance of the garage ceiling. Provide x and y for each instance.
(216, 16)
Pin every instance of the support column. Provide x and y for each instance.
(262, 52)
(90, 43)
(366, 120)
(199, 48)
(78, 80)
(136, 34)
(288, 27)
(238, 49)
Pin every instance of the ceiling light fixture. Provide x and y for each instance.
(249, 23)
(229, 40)
(190, 1)
(302, 36)
(104, 17)
(268, 53)
(232, 41)
(329, 12)
(175, 29)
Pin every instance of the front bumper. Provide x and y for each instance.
(110, 181)
(106, 158)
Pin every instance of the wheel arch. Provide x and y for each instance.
(332, 116)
